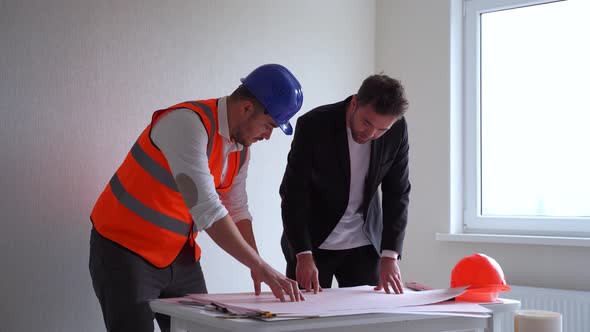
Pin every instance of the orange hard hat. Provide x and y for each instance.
(483, 277)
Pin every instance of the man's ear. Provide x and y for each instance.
(353, 102)
(247, 107)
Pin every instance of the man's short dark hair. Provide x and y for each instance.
(242, 93)
(385, 94)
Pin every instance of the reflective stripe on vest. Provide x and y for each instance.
(209, 114)
(152, 167)
(148, 214)
(164, 177)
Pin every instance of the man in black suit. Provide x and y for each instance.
(335, 221)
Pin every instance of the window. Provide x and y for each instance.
(526, 117)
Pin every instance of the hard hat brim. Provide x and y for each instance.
(286, 128)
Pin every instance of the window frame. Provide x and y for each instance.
(473, 221)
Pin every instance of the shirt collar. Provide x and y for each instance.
(223, 121)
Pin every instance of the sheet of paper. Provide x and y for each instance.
(353, 300)
(449, 306)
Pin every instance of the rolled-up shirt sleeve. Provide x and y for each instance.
(182, 138)
(236, 200)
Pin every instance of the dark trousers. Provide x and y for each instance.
(124, 282)
(351, 267)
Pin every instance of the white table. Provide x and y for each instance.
(184, 319)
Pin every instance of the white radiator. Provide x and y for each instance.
(574, 306)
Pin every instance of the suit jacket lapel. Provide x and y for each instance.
(375, 161)
(341, 144)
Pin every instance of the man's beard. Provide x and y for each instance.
(356, 137)
(359, 140)
(239, 138)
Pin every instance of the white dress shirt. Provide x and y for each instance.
(182, 138)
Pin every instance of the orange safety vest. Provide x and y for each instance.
(141, 207)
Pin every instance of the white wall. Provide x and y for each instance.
(79, 79)
(413, 43)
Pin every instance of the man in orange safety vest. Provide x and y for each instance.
(186, 173)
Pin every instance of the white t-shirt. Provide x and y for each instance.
(348, 233)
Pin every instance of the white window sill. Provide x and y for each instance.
(515, 239)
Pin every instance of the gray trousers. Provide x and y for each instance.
(124, 282)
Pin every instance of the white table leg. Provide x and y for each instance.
(178, 325)
(497, 322)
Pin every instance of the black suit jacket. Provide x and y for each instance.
(316, 183)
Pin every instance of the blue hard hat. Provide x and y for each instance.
(278, 91)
